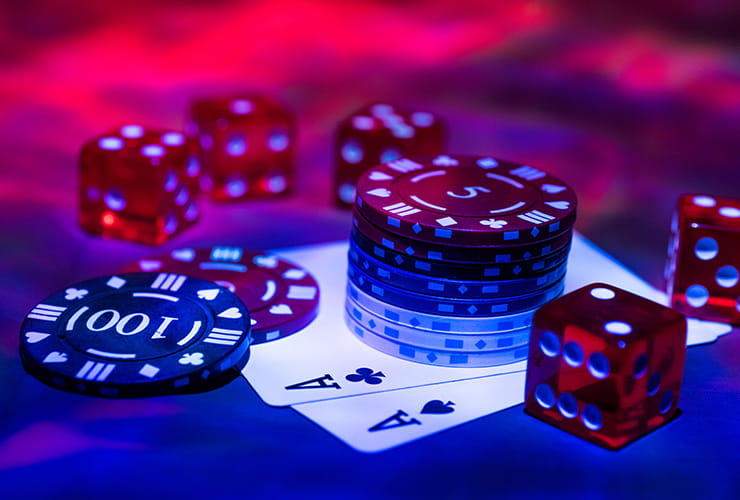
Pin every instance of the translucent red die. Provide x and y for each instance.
(377, 134)
(605, 364)
(703, 271)
(138, 184)
(247, 146)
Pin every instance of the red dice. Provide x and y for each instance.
(138, 184)
(605, 364)
(378, 134)
(247, 146)
(703, 268)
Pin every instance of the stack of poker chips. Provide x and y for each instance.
(450, 257)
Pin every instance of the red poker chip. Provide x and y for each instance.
(460, 254)
(465, 200)
(282, 298)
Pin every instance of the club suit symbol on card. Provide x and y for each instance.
(367, 375)
(398, 419)
(315, 383)
(437, 407)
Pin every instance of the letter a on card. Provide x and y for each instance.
(315, 383)
(395, 420)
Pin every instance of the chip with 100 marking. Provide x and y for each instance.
(136, 334)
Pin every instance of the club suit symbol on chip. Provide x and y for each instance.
(195, 359)
(437, 407)
(75, 293)
(367, 375)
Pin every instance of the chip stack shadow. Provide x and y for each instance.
(450, 257)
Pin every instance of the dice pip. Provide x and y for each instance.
(377, 134)
(138, 184)
(247, 146)
(703, 271)
(605, 364)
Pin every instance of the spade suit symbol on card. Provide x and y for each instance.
(398, 419)
(437, 407)
(367, 375)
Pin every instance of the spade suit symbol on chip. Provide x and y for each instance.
(281, 309)
(56, 357)
(230, 313)
(33, 337)
(437, 407)
(379, 176)
(380, 192)
(208, 294)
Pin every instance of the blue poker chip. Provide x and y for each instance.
(451, 306)
(438, 267)
(437, 357)
(438, 322)
(135, 335)
(443, 287)
(428, 339)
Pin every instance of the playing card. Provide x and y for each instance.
(383, 420)
(326, 361)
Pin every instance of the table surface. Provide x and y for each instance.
(630, 113)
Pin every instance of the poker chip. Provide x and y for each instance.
(135, 335)
(438, 340)
(437, 322)
(449, 257)
(464, 271)
(451, 306)
(451, 287)
(282, 298)
(368, 234)
(437, 357)
(465, 200)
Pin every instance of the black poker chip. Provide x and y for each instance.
(136, 335)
